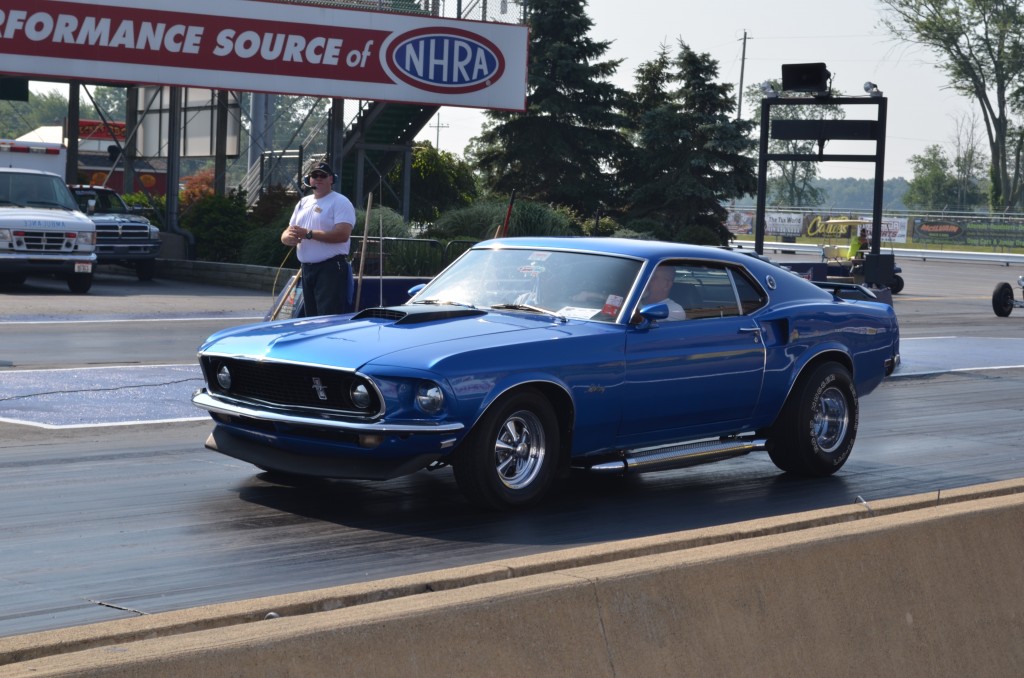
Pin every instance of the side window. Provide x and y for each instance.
(751, 296)
(695, 290)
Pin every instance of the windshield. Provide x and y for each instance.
(566, 284)
(106, 202)
(35, 190)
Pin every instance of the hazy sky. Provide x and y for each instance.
(844, 34)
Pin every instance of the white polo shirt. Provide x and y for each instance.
(322, 215)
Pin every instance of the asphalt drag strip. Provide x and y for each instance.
(88, 397)
(100, 396)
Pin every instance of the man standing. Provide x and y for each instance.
(320, 228)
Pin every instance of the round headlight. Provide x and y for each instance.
(429, 398)
(224, 377)
(360, 396)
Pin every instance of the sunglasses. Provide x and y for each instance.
(319, 175)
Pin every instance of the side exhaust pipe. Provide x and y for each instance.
(664, 458)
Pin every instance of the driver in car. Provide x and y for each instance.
(658, 289)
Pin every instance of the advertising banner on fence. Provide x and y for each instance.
(268, 47)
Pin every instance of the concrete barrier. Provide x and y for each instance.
(918, 586)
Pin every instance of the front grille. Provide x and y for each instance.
(287, 385)
(107, 233)
(43, 241)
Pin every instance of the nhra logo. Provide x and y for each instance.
(445, 60)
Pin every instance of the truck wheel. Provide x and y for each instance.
(79, 283)
(1002, 299)
(510, 457)
(145, 269)
(815, 431)
(12, 279)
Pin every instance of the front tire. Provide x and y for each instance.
(1002, 299)
(80, 283)
(145, 269)
(816, 429)
(896, 285)
(510, 457)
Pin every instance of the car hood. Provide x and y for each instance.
(413, 336)
(112, 218)
(40, 217)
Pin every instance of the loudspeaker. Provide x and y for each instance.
(14, 89)
(805, 78)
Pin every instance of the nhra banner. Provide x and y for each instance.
(268, 47)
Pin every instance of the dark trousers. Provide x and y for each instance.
(325, 287)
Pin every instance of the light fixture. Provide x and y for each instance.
(768, 90)
(872, 89)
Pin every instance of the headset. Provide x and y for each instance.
(307, 184)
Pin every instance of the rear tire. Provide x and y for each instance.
(896, 286)
(817, 427)
(1002, 299)
(510, 457)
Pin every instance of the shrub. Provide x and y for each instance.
(220, 225)
(483, 219)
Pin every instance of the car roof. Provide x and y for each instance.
(26, 170)
(90, 187)
(646, 249)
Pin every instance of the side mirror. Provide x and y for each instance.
(415, 289)
(647, 315)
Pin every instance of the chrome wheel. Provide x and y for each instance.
(816, 429)
(510, 457)
(831, 418)
(519, 450)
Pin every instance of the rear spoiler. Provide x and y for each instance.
(854, 291)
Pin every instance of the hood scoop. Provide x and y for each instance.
(412, 314)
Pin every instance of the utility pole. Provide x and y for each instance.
(438, 126)
(743, 64)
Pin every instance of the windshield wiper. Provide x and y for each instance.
(531, 308)
(442, 302)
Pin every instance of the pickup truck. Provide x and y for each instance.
(42, 231)
(122, 235)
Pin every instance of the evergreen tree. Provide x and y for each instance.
(560, 149)
(689, 154)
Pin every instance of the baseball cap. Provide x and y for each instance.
(325, 168)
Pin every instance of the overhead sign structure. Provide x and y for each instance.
(269, 47)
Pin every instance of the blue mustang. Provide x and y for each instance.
(531, 356)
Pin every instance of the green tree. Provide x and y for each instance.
(981, 47)
(560, 149)
(689, 155)
(18, 118)
(111, 101)
(440, 181)
(934, 186)
(793, 183)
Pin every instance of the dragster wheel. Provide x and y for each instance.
(1002, 299)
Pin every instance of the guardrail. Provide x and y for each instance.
(1004, 258)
